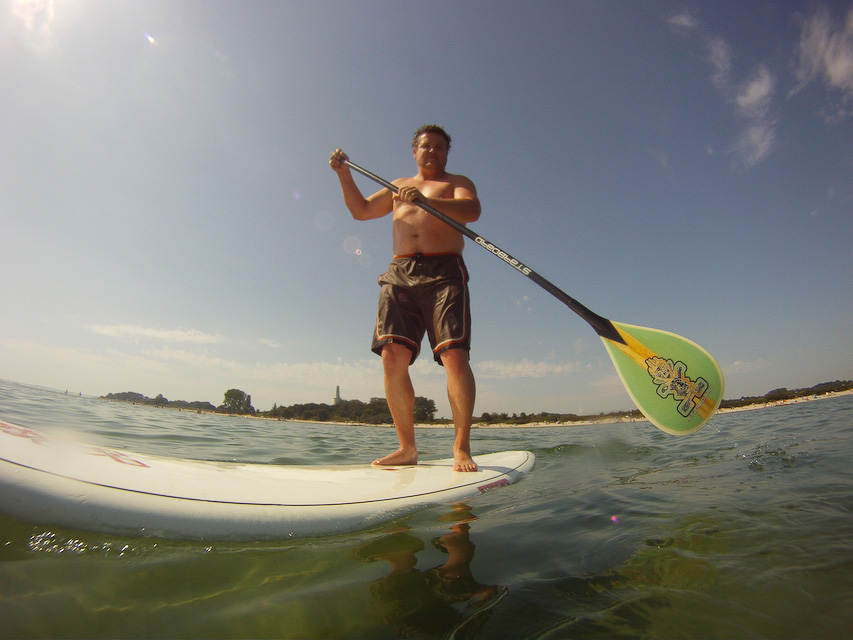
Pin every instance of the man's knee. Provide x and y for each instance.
(455, 360)
(396, 357)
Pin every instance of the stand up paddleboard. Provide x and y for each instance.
(44, 480)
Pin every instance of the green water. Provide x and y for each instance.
(740, 530)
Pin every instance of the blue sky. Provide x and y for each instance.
(170, 223)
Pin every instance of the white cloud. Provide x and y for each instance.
(756, 143)
(744, 367)
(752, 100)
(720, 57)
(187, 374)
(522, 369)
(663, 162)
(36, 16)
(754, 97)
(607, 383)
(825, 51)
(194, 359)
(134, 333)
(41, 24)
(92, 372)
(682, 22)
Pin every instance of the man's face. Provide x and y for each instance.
(431, 151)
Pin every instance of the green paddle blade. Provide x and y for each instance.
(675, 383)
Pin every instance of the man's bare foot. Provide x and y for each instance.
(401, 457)
(463, 461)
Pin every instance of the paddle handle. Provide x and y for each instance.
(602, 326)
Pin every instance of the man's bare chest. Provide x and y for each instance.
(433, 188)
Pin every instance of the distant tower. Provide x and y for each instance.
(337, 395)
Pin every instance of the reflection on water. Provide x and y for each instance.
(445, 600)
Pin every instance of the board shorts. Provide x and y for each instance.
(424, 294)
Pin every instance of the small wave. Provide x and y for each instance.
(562, 450)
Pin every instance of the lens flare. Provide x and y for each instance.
(150, 38)
(352, 245)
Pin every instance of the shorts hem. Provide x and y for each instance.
(379, 344)
(459, 344)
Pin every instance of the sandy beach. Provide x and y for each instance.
(582, 423)
(532, 425)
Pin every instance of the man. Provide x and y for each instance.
(425, 288)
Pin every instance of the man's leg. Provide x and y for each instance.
(400, 395)
(461, 391)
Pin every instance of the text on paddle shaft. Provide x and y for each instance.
(503, 255)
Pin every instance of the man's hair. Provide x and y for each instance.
(430, 128)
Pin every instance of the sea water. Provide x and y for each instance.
(742, 529)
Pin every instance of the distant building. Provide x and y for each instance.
(337, 395)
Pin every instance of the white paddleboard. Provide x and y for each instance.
(47, 481)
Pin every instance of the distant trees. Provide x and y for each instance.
(778, 394)
(159, 401)
(376, 411)
(373, 412)
(237, 401)
(546, 417)
(424, 410)
(782, 394)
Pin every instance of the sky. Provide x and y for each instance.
(169, 223)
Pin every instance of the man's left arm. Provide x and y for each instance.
(465, 204)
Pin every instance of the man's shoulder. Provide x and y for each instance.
(458, 181)
(462, 180)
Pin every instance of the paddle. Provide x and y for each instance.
(675, 383)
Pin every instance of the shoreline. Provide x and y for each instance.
(580, 423)
(507, 425)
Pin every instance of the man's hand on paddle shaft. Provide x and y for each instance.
(338, 160)
(410, 194)
(361, 208)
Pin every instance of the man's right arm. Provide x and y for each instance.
(361, 208)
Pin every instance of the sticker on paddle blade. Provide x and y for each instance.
(675, 383)
(671, 379)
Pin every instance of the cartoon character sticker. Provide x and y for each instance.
(672, 379)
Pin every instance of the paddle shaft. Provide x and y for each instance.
(603, 327)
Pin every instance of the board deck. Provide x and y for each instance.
(45, 480)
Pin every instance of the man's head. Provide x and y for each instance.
(430, 128)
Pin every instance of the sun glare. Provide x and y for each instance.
(35, 14)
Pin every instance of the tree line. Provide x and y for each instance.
(235, 401)
(376, 411)
(159, 401)
(783, 393)
(238, 402)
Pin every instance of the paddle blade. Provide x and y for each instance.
(675, 383)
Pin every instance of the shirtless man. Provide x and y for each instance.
(424, 289)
